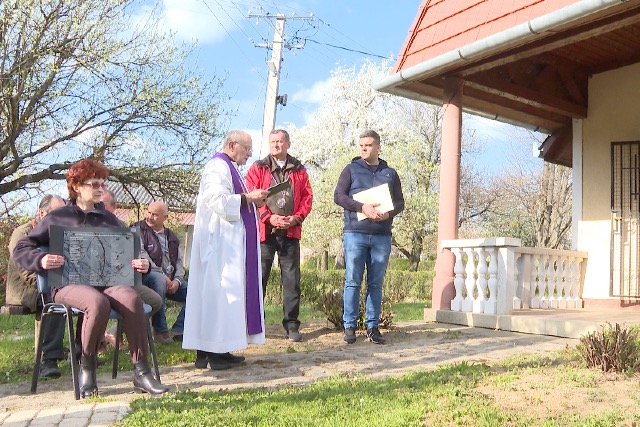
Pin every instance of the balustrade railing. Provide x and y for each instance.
(497, 276)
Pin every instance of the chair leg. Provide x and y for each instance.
(72, 353)
(73, 356)
(36, 335)
(152, 350)
(116, 349)
(38, 352)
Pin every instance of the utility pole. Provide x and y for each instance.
(272, 99)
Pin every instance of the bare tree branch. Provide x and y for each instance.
(82, 78)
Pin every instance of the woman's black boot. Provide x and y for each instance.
(87, 380)
(144, 380)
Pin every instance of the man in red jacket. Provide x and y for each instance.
(280, 222)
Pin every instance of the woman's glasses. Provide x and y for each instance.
(96, 185)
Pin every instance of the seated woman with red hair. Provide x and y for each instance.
(85, 182)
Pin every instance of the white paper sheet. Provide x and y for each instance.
(375, 195)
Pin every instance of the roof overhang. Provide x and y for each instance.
(534, 75)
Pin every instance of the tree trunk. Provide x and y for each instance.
(340, 259)
(416, 252)
(324, 261)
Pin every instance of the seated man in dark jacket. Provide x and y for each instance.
(167, 269)
(21, 290)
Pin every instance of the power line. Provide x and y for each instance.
(343, 35)
(230, 17)
(227, 31)
(295, 12)
(248, 5)
(347, 49)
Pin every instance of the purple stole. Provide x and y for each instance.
(252, 291)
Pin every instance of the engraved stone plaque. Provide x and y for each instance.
(95, 256)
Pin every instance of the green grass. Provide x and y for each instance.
(16, 347)
(446, 396)
(409, 311)
(332, 402)
(17, 341)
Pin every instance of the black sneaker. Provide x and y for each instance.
(349, 335)
(375, 336)
(49, 369)
(293, 333)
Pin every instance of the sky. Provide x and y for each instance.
(326, 34)
(341, 33)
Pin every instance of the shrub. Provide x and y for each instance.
(399, 286)
(399, 263)
(407, 286)
(331, 304)
(385, 320)
(614, 348)
(313, 283)
(314, 262)
(323, 291)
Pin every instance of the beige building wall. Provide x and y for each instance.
(612, 117)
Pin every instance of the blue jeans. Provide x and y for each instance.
(157, 282)
(372, 251)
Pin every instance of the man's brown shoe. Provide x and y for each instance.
(110, 338)
(162, 338)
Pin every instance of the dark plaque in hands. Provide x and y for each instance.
(95, 256)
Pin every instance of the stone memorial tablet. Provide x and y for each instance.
(95, 256)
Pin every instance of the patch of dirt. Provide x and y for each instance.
(575, 391)
(410, 347)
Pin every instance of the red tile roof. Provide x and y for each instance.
(445, 25)
(185, 218)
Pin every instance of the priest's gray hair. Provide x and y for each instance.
(233, 136)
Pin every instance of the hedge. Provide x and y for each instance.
(399, 285)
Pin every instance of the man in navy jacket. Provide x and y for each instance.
(368, 241)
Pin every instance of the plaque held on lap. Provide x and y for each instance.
(95, 256)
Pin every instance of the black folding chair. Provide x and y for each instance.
(50, 308)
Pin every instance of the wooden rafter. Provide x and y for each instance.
(527, 96)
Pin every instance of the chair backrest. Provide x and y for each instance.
(43, 288)
(43, 284)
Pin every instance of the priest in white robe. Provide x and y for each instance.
(224, 310)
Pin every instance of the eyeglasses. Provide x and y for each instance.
(249, 148)
(96, 185)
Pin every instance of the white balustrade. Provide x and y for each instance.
(458, 280)
(481, 282)
(496, 276)
(537, 268)
(491, 306)
(470, 281)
